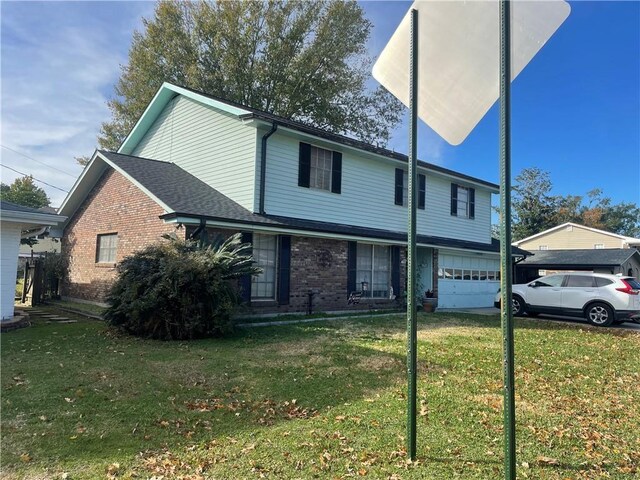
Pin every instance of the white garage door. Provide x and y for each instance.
(467, 281)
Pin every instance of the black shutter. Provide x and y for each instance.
(304, 165)
(284, 269)
(352, 257)
(454, 199)
(395, 270)
(399, 186)
(336, 173)
(245, 280)
(422, 189)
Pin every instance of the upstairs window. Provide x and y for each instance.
(543, 247)
(319, 168)
(321, 163)
(402, 188)
(599, 246)
(463, 201)
(107, 248)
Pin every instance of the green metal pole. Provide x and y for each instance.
(505, 242)
(412, 329)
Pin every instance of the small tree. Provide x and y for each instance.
(180, 289)
(24, 192)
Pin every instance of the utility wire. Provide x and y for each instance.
(41, 181)
(38, 161)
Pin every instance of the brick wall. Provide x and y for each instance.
(114, 205)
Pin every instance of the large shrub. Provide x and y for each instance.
(180, 289)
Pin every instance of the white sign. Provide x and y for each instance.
(458, 65)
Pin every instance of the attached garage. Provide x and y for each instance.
(467, 280)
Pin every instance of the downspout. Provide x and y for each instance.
(263, 165)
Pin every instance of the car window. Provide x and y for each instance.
(552, 281)
(603, 282)
(633, 283)
(580, 281)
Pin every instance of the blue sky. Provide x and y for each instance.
(575, 107)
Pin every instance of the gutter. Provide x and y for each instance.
(263, 165)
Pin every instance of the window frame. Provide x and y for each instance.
(326, 184)
(468, 210)
(112, 249)
(257, 280)
(373, 272)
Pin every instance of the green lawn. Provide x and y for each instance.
(318, 400)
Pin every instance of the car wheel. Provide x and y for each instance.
(599, 314)
(517, 305)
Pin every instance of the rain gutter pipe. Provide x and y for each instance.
(263, 165)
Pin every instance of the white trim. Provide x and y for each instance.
(31, 218)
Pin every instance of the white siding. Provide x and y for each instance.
(212, 145)
(10, 241)
(367, 197)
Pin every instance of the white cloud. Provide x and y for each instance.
(60, 61)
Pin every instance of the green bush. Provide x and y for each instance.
(180, 289)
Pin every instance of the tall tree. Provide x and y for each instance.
(298, 59)
(535, 209)
(24, 192)
(533, 206)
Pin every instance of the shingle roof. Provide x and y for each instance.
(10, 206)
(187, 196)
(580, 258)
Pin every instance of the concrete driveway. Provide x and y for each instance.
(556, 318)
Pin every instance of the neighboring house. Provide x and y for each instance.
(16, 222)
(571, 236)
(326, 214)
(625, 261)
(575, 247)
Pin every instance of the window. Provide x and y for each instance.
(468, 274)
(402, 188)
(543, 247)
(321, 163)
(463, 200)
(599, 246)
(581, 281)
(263, 286)
(552, 281)
(107, 248)
(319, 168)
(373, 267)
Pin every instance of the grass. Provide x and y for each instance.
(82, 307)
(318, 400)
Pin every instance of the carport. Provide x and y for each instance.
(625, 261)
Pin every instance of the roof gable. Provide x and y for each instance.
(564, 225)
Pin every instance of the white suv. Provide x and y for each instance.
(600, 298)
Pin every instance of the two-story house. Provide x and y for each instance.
(325, 213)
